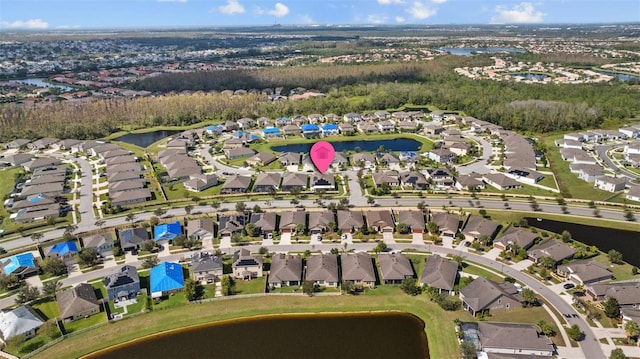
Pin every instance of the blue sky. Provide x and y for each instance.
(61, 14)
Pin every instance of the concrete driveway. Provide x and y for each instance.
(387, 237)
(285, 238)
(417, 238)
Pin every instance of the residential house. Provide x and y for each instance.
(271, 132)
(23, 320)
(22, 265)
(413, 219)
(41, 162)
(245, 123)
(267, 182)
(626, 293)
(291, 220)
(414, 180)
(42, 143)
(381, 220)
(394, 268)
(261, 159)
(441, 177)
(77, 302)
(231, 144)
(102, 242)
(310, 130)
(477, 227)
(388, 126)
(131, 239)
(448, 224)
(286, 270)
(358, 269)
(483, 295)
(388, 178)
(501, 181)
(633, 194)
(521, 237)
(586, 172)
(346, 128)
(200, 182)
(323, 181)
(240, 152)
(566, 143)
(19, 143)
(166, 278)
(245, 265)
(122, 198)
(322, 270)
(200, 229)
(350, 221)
(330, 129)
(66, 251)
(206, 268)
(339, 159)
(265, 222)
(584, 272)
(509, 340)
(433, 129)
(291, 130)
(167, 231)
(468, 182)
(441, 155)
(230, 224)
(236, 184)
(407, 126)
(123, 284)
(368, 127)
(289, 159)
(352, 117)
(440, 273)
(17, 159)
(318, 221)
(390, 160)
(524, 175)
(551, 248)
(293, 181)
(364, 160)
(610, 184)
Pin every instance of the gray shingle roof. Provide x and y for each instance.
(439, 273)
(285, 268)
(357, 267)
(322, 267)
(394, 266)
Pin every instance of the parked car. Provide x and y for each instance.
(568, 285)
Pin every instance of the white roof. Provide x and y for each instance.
(18, 321)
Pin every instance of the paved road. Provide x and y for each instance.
(479, 166)
(602, 154)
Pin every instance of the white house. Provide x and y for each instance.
(634, 194)
(610, 184)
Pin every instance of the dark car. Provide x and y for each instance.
(568, 285)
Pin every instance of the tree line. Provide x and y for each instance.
(349, 88)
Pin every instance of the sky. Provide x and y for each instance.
(88, 14)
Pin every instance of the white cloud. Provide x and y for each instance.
(421, 11)
(400, 19)
(439, 1)
(182, 1)
(306, 19)
(66, 27)
(280, 10)
(520, 13)
(388, 2)
(232, 7)
(29, 24)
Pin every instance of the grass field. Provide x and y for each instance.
(7, 183)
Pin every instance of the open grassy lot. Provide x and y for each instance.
(256, 285)
(7, 182)
(477, 270)
(439, 324)
(620, 271)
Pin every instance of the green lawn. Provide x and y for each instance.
(477, 270)
(256, 285)
(70, 327)
(174, 300)
(620, 271)
(48, 309)
(7, 184)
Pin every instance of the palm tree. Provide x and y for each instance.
(37, 237)
(99, 223)
(130, 217)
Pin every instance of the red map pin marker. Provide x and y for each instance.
(322, 154)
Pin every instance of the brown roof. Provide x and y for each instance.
(76, 300)
(291, 219)
(200, 224)
(382, 219)
(478, 226)
(482, 292)
(446, 221)
(513, 336)
(319, 220)
(394, 266)
(323, 267)
(350, 219)
(285, 268)
(413, 219)
(554, 249)
(357, 267)
(523, 238)
(439, 272)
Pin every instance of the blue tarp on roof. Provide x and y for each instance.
(17, 261)
(64, 248)
(36, 199)
(330, 127)
(167, 231)
(271, 130)
(165, 277)
(309, 127)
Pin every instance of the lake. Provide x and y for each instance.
(42, 83)
(398, 144)
(606, 239)
(146, 138)
(468, 51)
(348, 335)
(621, 77)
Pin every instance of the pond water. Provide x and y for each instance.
(398, 144)
(530, 76)
(146, 138)
(621, 77)
(606, 239)
(349, 335)
(468, 51)
(41, 83)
